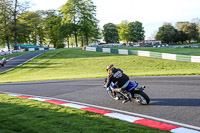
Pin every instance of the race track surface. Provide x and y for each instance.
(175, 98)
(19, 60)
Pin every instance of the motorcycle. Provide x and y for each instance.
(133, 90)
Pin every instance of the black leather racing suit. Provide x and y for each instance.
(117, 77)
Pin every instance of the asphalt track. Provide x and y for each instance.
(19, 60)
(174, 98)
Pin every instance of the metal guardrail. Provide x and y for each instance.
(22, 50)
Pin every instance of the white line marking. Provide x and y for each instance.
(74, 105)
(122, 117)
(183, 130)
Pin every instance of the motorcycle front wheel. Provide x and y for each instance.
(112, 95)
(141, 97)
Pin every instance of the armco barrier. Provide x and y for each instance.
(10, 52)
(23, 50)
(168, 56)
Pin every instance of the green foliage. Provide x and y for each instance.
(52, 27)
(124, 31)
(78, 19)
(110, 33)
(131, 31)
(31, 28)
(185, 31)
(81, 15)
(166, 33)
(136, 31)
(191, 30)
(6, 22)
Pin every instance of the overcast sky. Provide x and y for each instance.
(152, 13)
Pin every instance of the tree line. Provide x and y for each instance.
(75, 22)
(183, 32)
(125, 31)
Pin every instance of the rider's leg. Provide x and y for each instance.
(124, 93)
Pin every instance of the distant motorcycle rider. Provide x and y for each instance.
(3, 62)
(120, 79)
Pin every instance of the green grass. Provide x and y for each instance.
(76, 64)
(182, 51)
(28, 116)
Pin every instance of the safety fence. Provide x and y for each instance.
(10, 52)
(23, 50)
(177, 57)
(34, 49)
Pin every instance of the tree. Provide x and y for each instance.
(110, 33)
(10, 10)
(166, 33)
(191, 30)
(52, 26)
(88, 22)
(131, 31)
(136, 31)
(197, 21)
(81, 15)
(180, 37)
(124, 31)
(5, 22)
(180, 24)
(32, 28)
(65, 32)
(17, 9)
(71, 11)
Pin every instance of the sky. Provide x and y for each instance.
(151, 13)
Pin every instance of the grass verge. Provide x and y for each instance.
(77, 64)
(28, 116)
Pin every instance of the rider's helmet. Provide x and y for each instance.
(109, 67)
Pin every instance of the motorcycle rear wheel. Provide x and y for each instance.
(141, 97)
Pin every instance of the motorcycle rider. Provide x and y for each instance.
(120, 79)
(3, 62)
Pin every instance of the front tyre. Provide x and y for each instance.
(113, 95)
(141, 97)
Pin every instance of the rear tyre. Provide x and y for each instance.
(141, 97)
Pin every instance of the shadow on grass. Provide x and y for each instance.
(44, 117)
(39, 65)
(176, 102)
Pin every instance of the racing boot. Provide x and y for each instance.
(127, 96)
(125, 100)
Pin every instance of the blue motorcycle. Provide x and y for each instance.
(133, 90)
